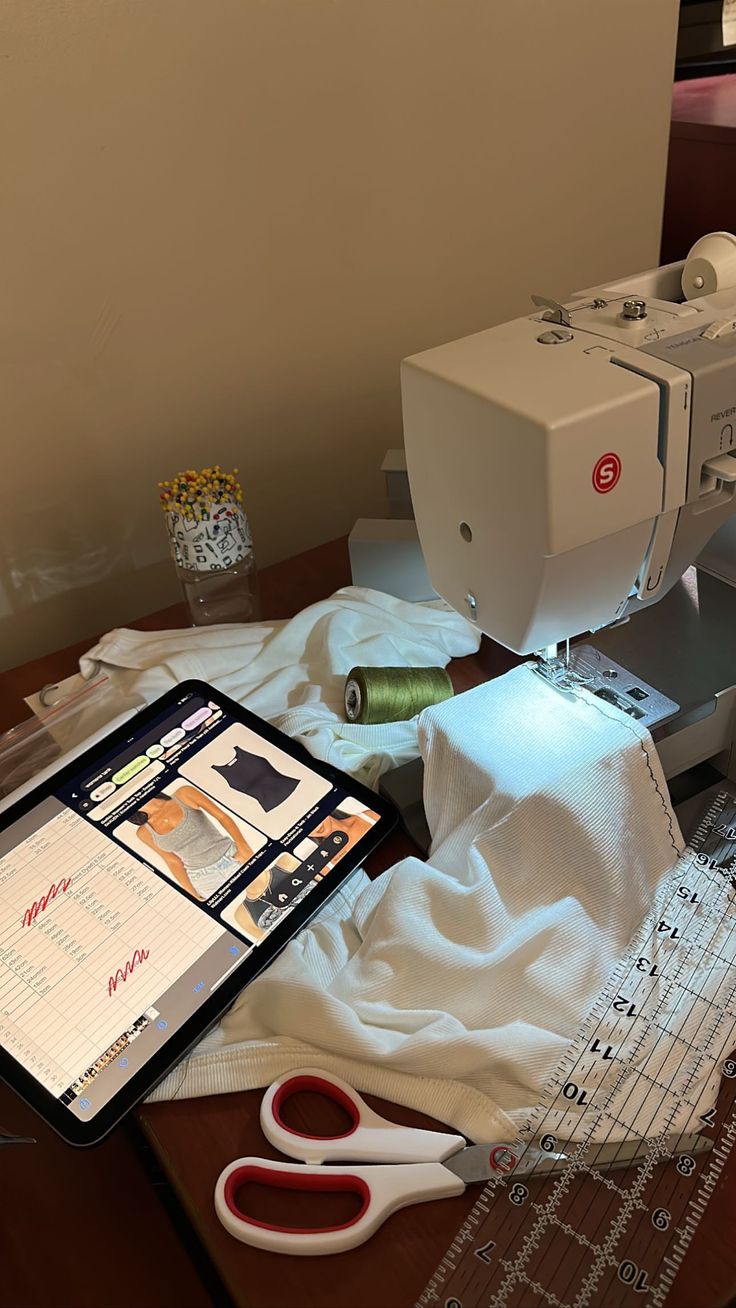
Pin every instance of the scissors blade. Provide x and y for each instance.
(481, 1162)
(625, 1153)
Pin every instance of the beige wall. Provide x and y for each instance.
(224, 222)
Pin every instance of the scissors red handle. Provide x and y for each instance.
(369, 1136)
(381, 1191)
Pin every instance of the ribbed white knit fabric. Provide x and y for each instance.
(455, 986)
(293, 673)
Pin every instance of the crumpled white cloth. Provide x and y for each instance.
(455, 986)
(293, 672)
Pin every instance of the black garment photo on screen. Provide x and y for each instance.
(253, 775)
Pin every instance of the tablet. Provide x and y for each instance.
(144, 885)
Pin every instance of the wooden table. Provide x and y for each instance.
(194, 1139)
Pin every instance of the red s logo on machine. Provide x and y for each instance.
(606, 473)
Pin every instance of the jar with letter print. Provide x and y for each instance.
(212, 546)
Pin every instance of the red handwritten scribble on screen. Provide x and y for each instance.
(40, 905)
(122, 974)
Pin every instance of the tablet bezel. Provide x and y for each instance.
(84, 1133)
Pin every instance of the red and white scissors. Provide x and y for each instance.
(407, 1166)
(420, 1165)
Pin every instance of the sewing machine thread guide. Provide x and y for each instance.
(621, 1237)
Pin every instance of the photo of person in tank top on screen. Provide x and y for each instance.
(269, 896)
(200, 844)
(351, 818)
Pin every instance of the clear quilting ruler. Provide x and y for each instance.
(659, 1035)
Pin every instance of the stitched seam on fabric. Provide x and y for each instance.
(622, 721)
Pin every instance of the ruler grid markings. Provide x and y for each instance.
(620, 1078)
(620, 1222)
(690, 939)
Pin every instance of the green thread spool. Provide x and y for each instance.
(374, 695)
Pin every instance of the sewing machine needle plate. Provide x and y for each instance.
(610, 682)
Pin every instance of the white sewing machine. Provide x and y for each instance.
(568, 467)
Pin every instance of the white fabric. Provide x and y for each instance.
(452, 986)
(293, 673)
(300, 662)
(455, 986)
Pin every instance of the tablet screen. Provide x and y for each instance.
(132, 891)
